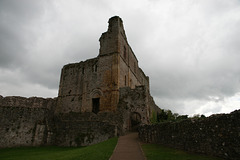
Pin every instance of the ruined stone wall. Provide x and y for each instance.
(82, 129)
(116, 66)
(94, 78)
(32, 122)
(83, 133)
(26, 121)
(71, 88)
(76, 84)
(128, 63)
(124, 80)
(91, 92)
(135, 101)
(144, 80)
(109, 41)
(217, 135)
(109, 71)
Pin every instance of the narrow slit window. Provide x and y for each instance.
(134, 67)
(125, 53)
(83, 70)
(95, 68)
(125, 80)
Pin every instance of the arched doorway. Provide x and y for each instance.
(135, 121)
(96, 94)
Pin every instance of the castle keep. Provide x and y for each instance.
(94, 85)
(99, 98)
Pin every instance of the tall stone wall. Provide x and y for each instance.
(217, 135)
(26, 121)
(76, 83)
(83, 81)
(138, 104)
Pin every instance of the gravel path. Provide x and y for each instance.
(128, 148)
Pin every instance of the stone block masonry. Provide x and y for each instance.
(217, 135)
(98, 98)
(31, 122)
(26, 121)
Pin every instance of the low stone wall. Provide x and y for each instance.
(32, 122)
(25, 121)
(32, 102)
(217, 135)
(24, 126)
(82, 133)
(83, 129)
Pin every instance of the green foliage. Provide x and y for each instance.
(156, 152)
(153, 118)
(162, 116)
(181, 117)
(101, 151)
(167, 115)
(198, 116)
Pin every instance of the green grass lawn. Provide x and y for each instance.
(158, 152)
(101, 151)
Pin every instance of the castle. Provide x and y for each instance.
(99, 98)
(94, 85)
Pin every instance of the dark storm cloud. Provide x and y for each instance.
(191, 52)
(189, 49)
(18, 35)
(15, 16)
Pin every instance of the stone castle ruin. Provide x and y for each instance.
(99, 98)
(94, 85)
(105, 97)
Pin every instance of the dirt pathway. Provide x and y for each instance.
(128, 148)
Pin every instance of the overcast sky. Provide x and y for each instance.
(190, 49)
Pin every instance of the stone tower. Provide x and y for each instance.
(93, 85)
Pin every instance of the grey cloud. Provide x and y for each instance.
(189, 49)
(15, 17)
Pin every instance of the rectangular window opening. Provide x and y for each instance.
(83, 70)
(95, 105)
(125, 80)
(125, 53)
(134, 67)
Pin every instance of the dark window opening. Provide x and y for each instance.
(134, 67)
(125, 53)
(95, 105)
(82, 70)
(125, 80)
(95, 68)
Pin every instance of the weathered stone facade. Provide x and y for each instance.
(94, 85)
(217, 135)
(26, 121)
(98, 99)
